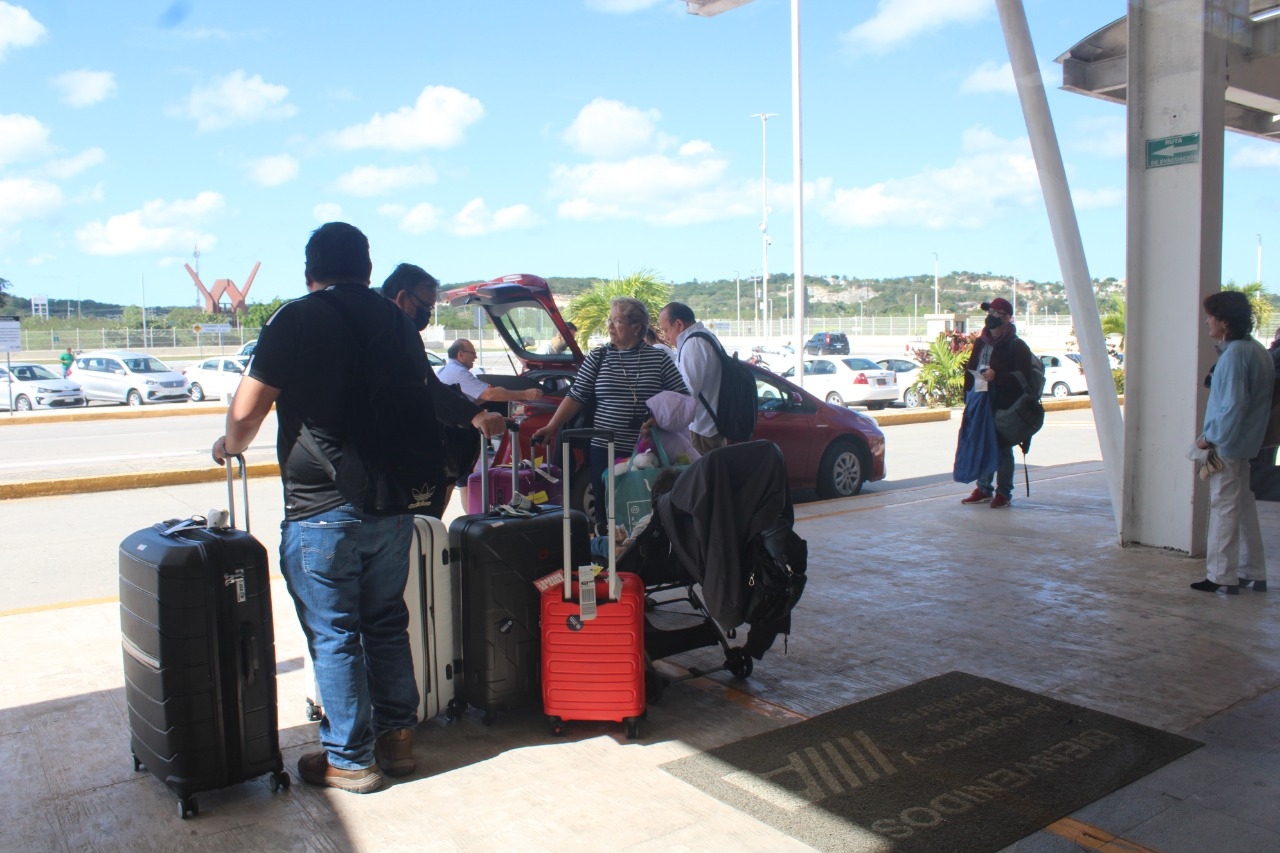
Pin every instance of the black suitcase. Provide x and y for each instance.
(499, 558)
(199, 655)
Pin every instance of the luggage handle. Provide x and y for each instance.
(231, 498)
(513, 427)
(566, 437)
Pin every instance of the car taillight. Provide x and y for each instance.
(861, 379)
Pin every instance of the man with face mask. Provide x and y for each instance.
(414, 292)
(997, 355)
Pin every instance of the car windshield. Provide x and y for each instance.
(531, 330)
(145, 365)
(33, 371)
(861, 364)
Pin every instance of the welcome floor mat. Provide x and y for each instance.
(956, 763)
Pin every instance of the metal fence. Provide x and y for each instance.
(56, 340)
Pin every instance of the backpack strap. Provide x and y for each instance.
(721, 354)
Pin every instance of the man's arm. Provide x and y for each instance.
(494, 394)
(248, 409)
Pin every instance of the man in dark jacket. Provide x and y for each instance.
(998, 354)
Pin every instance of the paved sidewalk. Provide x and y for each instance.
(904, 585)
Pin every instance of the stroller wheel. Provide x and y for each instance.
(739, 663)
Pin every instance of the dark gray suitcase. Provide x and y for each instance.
(199, 655)
(499, 559)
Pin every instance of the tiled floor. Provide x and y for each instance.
(903, 585)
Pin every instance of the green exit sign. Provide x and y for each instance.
(1173, 150)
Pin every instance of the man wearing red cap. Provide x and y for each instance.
(998, 354)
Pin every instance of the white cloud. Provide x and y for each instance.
(993, 77)
(899, 21)
(623, 7)
(69, 167)
(1255, 156)
(236, 99)
(21, 138)
(374, 180)
(327, 212)
(159, 226)
(655, 189)
(436, 120)
(23, 199)
(1098, 199)
(420, 219)
(991, 178)
(476, 219)
(1101, 136)
(611, 129)
(41, 259)
(84, 88)
(273, 171)
(17, 28)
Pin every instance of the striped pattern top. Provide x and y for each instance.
(620, 381)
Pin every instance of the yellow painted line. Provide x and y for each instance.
(104, 414)
(755, 704)
(136, 480)
(1092, 838)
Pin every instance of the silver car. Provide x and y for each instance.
(215, 378)
(24, 387)
(118, 376)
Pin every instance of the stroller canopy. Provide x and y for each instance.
(719, 504)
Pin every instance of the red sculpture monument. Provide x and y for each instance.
(224, 287)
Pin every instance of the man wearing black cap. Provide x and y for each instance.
(998, 354)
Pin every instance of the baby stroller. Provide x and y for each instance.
(727, 528)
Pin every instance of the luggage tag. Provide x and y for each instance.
(586, 593)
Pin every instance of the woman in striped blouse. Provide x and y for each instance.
(619, 377)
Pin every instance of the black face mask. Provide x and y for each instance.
(994, 322)
(421, 318)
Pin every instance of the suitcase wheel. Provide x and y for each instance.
(188, 807)
(633, 728)
(558, 727)
(490, 716)
(137, 765)
(314, 712)
(739, 663)
(279, 781)
(454, 709)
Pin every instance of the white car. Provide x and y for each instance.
(24, 387)
(1063, 374)
(215, 378)
(120, 376)
(908, 372)
(844, 380)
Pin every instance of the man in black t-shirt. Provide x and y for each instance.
(346, 571)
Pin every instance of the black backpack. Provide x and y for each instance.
(735, 413)
(1016, 424)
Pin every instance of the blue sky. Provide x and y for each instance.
(556, 137)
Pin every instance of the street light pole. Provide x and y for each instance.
(737, 330)
(764, 206)
(1259, 278)
(935, 282)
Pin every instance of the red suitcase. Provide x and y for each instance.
(593, 657)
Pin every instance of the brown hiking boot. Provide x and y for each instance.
(314, 767)
(395, 752)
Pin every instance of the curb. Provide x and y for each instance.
(918, 416)
(104, 414)
(119, 482)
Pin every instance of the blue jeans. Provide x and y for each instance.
(1003, 475)
(346, 573)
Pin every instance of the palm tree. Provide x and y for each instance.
(1114, 324)
(941, 379)
(589, 309)
(1258, 301)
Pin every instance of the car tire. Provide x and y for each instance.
(22, 403)
(875, 407)
(133, 398)
(835, 399)
(197, 393)
(1060, 389)
(911, 399)
(843, 470)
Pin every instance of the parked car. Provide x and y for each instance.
(846, 381)
(119, 376)
(33, 386)
(908, 373)
(1063, 374)
(827, 448)
(215, 378)
(827, 343)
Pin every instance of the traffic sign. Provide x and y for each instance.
(10, 335)
(211, 328)
(1173, 150)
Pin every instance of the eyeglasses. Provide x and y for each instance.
(422, 303)
(466, 352)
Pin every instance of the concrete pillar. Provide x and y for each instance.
(1177, 84)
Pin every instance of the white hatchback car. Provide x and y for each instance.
(215, 378)
(848, 380)
(120, 376)
(1063, 374)
(34, 386)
